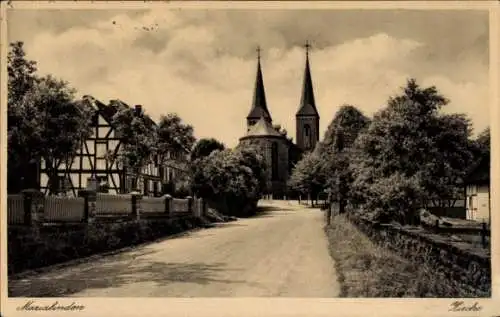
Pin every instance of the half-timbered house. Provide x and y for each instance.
(93, 162)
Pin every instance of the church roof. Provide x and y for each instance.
(259, 103)
(307, 102)
(262, 128)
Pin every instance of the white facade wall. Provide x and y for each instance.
(478, 203)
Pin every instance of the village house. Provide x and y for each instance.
(477, 191)
(93, 163)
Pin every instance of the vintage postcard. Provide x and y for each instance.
(250, 158)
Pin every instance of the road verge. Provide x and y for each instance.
(367, 269)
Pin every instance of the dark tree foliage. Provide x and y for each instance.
(204, 147)
(482, 142)
(44, 122)
(308, 175)
(231, 179)
(335, 151)
(410, 154)
(139, 137)
(174, 136)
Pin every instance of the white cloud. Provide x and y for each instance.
(189, 68)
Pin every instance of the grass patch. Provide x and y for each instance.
(367, 269)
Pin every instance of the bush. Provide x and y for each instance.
(232, 181)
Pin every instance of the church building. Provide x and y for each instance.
(281, 153)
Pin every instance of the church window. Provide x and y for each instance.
(274, 161)
(307, 136)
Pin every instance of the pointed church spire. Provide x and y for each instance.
(259, 104)
(307, 102)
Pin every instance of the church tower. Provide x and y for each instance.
(259, 104)
(307, 117)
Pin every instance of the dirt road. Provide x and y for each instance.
(280, 253)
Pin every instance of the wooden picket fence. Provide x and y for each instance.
(113, 204)
(152, 205)
(180, 206)
(15, 209)
(22, 210)
(63, 209)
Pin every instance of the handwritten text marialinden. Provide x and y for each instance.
(56, 306)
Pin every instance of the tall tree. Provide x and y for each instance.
(252, 157)
(21, 72)
(174, 136)
(44, 121)
(410, 154)
(483, 142)
(206, 146)
(335, 152)
(307, 176)
(139, 140)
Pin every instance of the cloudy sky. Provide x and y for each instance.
(201, 63)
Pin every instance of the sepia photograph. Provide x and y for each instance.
(247, 152)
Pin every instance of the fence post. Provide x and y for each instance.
(31, 201)
(203, 207)
(199, 207)
(136, 205)
(483, 234)
(168, 204)
(190, 204)
(90, 197)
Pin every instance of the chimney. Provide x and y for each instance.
(138, 110)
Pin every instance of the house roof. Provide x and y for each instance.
(108, 111)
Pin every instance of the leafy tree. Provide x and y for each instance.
(307, 176)
(139, 136)
(206, 146)
(482, 142)
(252, 157)
(448, 159)
(335, 151)
(21, 72)
(347, 123)
(44, 121)
(409, 155)
(229, 179)
(174, 136)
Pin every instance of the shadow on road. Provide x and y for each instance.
(264, 209)
(271, 211)
(127, 268)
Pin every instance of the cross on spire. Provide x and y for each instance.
(258, 52)
(307, 103)
(307, 46)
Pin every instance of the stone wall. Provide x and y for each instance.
(35, 247)
(469, 265)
